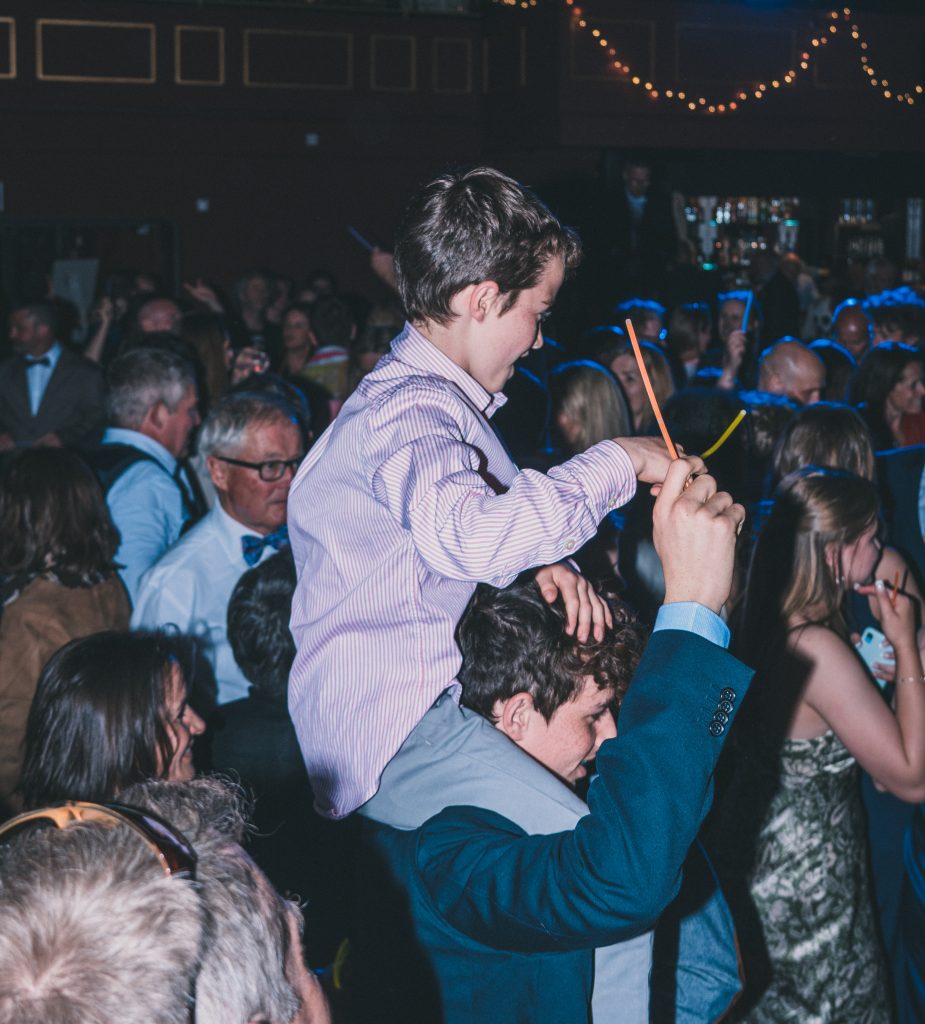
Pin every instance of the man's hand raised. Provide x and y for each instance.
(695, 528)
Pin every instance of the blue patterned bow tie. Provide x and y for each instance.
(252, 547)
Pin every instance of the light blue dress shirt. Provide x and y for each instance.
(37, 377)
(695, 618)
(146, 506)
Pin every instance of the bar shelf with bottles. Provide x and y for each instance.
(727, 230)
(858, 232)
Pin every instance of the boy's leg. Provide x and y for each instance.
(455, 757)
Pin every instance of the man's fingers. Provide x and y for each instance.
(676, 478)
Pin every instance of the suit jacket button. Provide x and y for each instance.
(717, 728)
(721, 717)
(725, 705)
(727, 694)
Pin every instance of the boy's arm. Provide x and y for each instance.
(440, 484)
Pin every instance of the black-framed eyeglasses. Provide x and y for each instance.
(270, 471)
(171, 848)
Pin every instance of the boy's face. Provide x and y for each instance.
(503, 338)
(573, 734)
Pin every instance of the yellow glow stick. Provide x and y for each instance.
(726, 434)
(644, 373)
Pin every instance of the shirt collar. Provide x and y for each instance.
(230, 530)
(122, 435)
(52, 355)
(416, 350)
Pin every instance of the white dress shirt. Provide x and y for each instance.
(190, 587)
(146, 505)
(38, 376)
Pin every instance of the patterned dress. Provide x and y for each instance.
(811, 888)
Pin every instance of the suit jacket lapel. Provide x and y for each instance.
(57, 382)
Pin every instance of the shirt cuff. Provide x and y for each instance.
(693, 618)
(606, 474)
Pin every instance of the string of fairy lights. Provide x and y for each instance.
(838, 23)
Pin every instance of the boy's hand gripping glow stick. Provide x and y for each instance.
(669, 444)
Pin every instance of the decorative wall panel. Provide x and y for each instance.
(110, 52)
(392, 63)
(199, 55)
(7, 47)
(452, 65)
(275, 59)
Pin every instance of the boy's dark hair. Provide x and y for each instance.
(471, 226)
(258, 624)
(513, 641)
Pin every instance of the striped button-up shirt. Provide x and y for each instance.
(404, 504)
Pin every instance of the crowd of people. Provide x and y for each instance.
(378, 661)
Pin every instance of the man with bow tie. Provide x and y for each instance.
(49, 395)
(253, 444)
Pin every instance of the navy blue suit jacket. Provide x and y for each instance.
(470, 919)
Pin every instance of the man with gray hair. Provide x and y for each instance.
(252, 444)
(153, 405)
(94, 928)
(791, 368)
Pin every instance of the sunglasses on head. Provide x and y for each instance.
(171, 848)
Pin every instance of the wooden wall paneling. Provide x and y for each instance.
(295, 59)
(721, 52)
(392, 63)
(101, 52)
(7, 48)
(452, 65)
(199, 55)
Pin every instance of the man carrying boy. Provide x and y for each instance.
(467, 918)
(409, 500)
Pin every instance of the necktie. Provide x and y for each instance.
(44, 361)
(252, 547)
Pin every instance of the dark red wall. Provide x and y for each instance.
(392, 99)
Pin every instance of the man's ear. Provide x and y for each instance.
(155, 418)
(513, 716)
(218, 471)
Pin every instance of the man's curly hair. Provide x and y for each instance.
(514, 641)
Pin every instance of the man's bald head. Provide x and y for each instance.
(851, 327)
(791, 368)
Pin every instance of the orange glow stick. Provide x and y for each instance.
(895, 592)
(637, 351)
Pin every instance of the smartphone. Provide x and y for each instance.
(874, 647)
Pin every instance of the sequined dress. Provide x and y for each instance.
(811, 888)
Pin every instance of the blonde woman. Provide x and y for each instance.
(792, 823)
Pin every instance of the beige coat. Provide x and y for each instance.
(42, 619)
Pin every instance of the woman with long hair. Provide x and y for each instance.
(110, 710)
(58, 581)
(888, 391)
(586, 406)
(791, 823)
